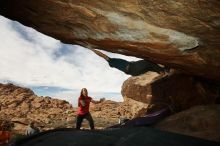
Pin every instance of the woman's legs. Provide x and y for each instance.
(79, 120)
(91, 122)
(100, 54)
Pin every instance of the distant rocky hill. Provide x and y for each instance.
(21, 105)
(106, 109)
(105, 113)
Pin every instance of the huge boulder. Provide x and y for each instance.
(182, 34)
(177, 91)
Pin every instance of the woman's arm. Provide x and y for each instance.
(93, 101)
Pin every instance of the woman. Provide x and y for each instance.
(83, 109)
(133, 68)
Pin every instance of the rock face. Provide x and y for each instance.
(182, 34)
(200, 121)
(177, 91)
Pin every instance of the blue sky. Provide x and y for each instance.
(51, 68)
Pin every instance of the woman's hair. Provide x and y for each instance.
(81, 93)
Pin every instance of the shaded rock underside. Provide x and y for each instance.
(199, 121)
(123, 137)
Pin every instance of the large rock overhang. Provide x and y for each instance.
(182, 34)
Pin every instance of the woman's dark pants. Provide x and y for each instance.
(79, 120)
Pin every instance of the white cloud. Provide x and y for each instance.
(30, 58)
